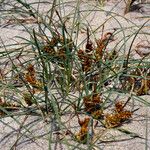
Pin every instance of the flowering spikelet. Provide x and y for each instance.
(81, 54)
(31, 69)
(119, 107)
(124, 115)
(117, 118)
(30, 77)
(98, 114)
(48, 49)
(61, 54)
(89, 45)
(112, 120)
(101, 45)
(81, 136)
(92, 105)
(86, 60)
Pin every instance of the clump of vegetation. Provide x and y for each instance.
(51, 75)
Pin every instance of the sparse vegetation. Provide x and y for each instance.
(94, 81)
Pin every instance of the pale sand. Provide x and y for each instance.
(141, 122)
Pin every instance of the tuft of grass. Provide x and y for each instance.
(70, 83)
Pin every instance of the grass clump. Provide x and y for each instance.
(52, 74)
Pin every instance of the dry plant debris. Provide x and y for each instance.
(28, 98)
(8, 106)
(138, 81)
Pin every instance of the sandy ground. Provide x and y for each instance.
(34, 135)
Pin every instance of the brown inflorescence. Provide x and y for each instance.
(119, 106)
(81, 136)
(101, 45)
(30, 77)
(92, 54)
(118, 117)
(48, 49)
(86, 60)
(58, 47)
(92, 105)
